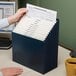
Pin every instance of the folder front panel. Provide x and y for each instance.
(38, 55)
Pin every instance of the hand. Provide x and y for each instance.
(12, 71)
(17, 16)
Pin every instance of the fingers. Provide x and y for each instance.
(12, 71)
(17, 16)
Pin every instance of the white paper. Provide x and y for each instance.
(37, 23)
(42, 13)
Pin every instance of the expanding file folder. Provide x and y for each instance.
(35, 39)
(38, 55)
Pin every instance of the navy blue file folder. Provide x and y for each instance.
(41, 56)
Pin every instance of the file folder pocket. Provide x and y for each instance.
(38, 55)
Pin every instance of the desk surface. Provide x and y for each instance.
(63, 54)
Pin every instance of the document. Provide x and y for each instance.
(37, 23)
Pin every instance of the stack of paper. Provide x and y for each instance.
(37, 23)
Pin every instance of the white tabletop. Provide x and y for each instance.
(63, 54)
